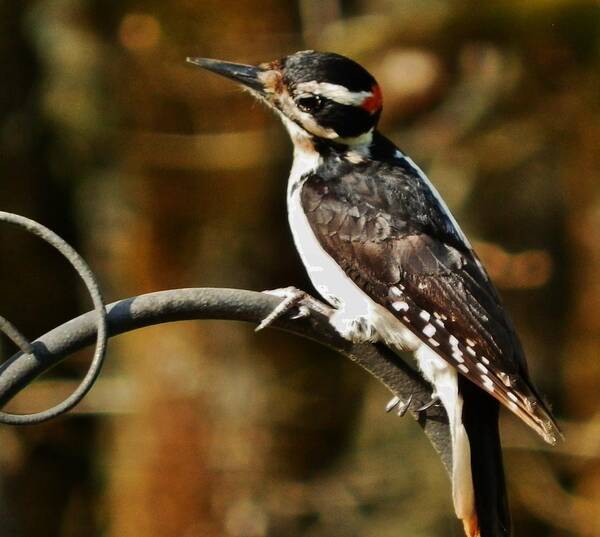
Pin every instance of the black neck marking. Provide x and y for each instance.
(380, 148)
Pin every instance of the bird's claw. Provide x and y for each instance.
(404, 406)
(432, 402)
(291, 299)
(392, 403)
(302, 312)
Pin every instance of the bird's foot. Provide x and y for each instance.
(355, 329)
(293, 298)
(435, 400)
(404, 406)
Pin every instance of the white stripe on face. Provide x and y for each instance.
(334, 92)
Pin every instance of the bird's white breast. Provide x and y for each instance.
(328, 278)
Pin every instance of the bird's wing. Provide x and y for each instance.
(417, 266)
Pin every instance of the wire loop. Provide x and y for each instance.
(28, 349)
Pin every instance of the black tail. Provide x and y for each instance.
(480, 418)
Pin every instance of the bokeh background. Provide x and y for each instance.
(164, 176)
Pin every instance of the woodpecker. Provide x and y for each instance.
(381, 246)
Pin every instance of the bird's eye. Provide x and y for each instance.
(309, 103)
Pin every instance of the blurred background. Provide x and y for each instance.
(164, 176)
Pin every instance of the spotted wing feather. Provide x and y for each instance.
(421, 271)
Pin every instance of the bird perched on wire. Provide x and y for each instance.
(381, 246)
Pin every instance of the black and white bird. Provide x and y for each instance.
(381, 246)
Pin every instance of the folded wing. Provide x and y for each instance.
(423, 273)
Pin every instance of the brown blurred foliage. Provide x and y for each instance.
(166, 177)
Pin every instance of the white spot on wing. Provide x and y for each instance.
(458, 356)
(429, 330)
(400, 305)
(487, 383)
(504, 378)
(425, 315)
(394, 291)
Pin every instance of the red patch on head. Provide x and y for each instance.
(373, 103)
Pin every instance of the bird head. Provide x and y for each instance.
(319, 95)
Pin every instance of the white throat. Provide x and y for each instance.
(306, 158)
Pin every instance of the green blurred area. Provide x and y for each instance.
(163, 176)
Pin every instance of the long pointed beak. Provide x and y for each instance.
(248, 75)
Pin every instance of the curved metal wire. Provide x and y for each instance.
(28, 349)
(11, 331)
(233, 305)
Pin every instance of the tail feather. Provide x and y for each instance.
(480, 419)
(478, 487)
